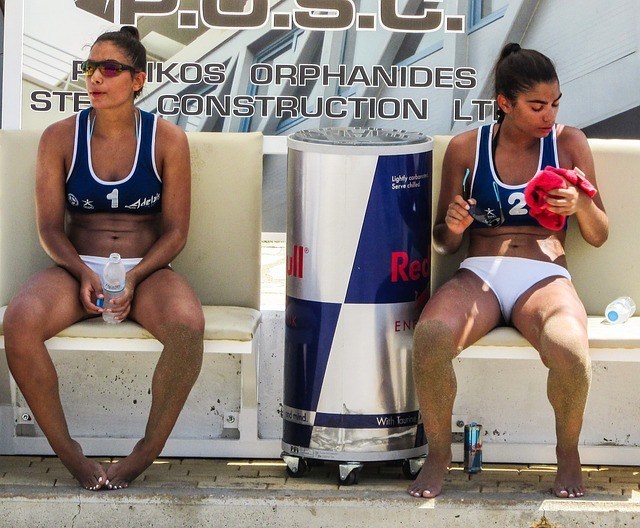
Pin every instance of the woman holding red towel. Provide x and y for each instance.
(515, 272)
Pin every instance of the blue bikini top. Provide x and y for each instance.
(138, 193)
(495, 197)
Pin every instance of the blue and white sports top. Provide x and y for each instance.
(486, 184)
(137, 193)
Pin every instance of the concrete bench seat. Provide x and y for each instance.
(221, 261)
(607, 342)
(227, 328)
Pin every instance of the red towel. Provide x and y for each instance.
(546, 180)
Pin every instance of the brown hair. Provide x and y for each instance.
(518, 69)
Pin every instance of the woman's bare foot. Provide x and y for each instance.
(428, 483)
(89, 473)
(121, 474)
(568, 483)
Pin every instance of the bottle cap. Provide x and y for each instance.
(612, 315)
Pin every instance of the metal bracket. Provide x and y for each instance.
(415, 464)
(347, 467)
(293, 462)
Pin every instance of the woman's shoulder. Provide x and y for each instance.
(570, 138)
(573, 147)
(169, 132)
(461, 150)
(66, 124)
(468, 136)
(464, 141)
(566, 133)
(60, 133)
(171, 141)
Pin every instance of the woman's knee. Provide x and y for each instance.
(564, 344)
(183, 313)
(22, 319)
(190, 317)
(182, 324)
(23, 338)
(46, 304)
(433, 341)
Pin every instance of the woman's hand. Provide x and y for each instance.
(568, 201)
(90, 291)
(121, 306)
(458, 218)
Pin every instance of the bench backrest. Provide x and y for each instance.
(599, 274)
(222, 257)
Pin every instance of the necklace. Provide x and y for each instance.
(137, 125)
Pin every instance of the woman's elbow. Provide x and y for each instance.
(598, 239)
(179, 235)
(441, 249)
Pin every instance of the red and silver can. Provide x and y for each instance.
(472, 448)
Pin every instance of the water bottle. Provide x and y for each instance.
(619, 310)
(113, 280)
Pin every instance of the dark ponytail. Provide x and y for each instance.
(518, 70)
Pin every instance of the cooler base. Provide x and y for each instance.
(353, 456)
(300, 459)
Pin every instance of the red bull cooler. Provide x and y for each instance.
(358, 272)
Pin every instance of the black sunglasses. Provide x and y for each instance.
(485, 215)
(108, 68)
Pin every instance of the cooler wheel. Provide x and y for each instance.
(296, 466)
(348, 473)
(411, 467)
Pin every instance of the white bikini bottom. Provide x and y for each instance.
(97, 264)
(510, 277)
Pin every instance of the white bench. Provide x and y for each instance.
(599, 275)
(221, 261)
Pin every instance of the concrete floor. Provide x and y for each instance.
(38, 492)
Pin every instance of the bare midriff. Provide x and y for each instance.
(524, 242)
(101, 234)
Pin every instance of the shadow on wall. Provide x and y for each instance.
(620, 126)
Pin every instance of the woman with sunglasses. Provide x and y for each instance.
(515, 272)
(112, 179)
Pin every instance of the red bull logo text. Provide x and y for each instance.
(405, 325)
(402, 269)
(295, 262)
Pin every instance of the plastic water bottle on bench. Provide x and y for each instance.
(113, 281)
(619, 310)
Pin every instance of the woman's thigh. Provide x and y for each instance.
(466, 306)
(46, 304)
(551, 316)
(164, 298)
